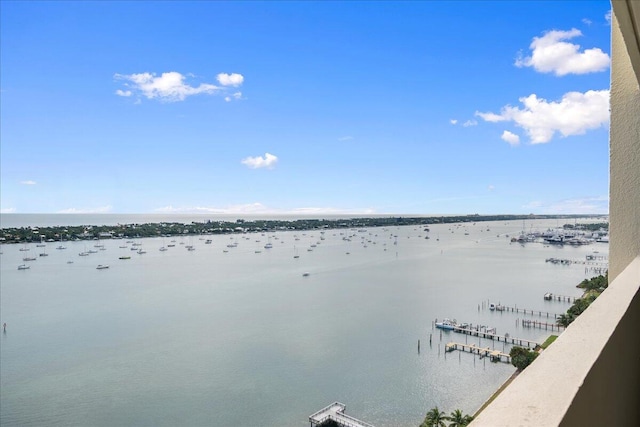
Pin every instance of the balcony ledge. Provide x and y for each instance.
(595, 361)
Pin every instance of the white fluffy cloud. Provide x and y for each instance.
(453, 121)
(29, 182)
(574, 114)
(268, 161)
(470, 123)
(551, 54)
(168, 87)
(510, 137)
(232, 79)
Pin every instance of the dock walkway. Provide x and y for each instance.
(335, 413)
(478, 332)
(495, 355)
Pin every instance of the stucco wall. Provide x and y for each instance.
(624, 192)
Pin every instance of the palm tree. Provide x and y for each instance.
(458, 419)
(435, 418)
(564, 320)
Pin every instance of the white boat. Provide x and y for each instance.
(548, 296)
(24, 267)
(102, 266)
(446, 324)
(162, 249)
(142, 252)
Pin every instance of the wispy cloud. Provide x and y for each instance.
(100, 209)
(237, 95)
(259, 208)
(511, 138)
(574, 114)
(585, 205)
(167, 87)
(470, 123)
(607, 17)
(491, 187)
(453, 121)
(268, 161)
(7, 210)
(551, 54)
(232, 79)
(586, 21)
(28, 182)
(345, 138)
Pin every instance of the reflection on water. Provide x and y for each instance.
(235, 337)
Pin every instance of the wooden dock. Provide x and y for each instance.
(494, 355)
(481, 332)
(526, 311)
(335, 413)
(526, 323)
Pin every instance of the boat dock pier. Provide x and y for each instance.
(555, 297)
(525, 323)
(481, 332)
(527, 311)
(335, 413)
(495, 355)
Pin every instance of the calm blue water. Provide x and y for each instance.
(240, 338)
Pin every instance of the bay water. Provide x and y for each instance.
(239, 336)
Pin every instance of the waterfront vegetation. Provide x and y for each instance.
(589, 227)
(88, 232)
(593, 288)
(522, 357)
(548, 342)
(437, 418)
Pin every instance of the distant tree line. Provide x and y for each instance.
(29, 234)
(589, 227)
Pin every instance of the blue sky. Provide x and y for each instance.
(304, 107)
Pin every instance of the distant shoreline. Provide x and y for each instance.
(212, 225)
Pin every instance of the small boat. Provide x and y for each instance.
(446, 324)
(125, 257)
(24, 267)
(305, 274)
(84, 254)
(548, 296)
(29, 258)
(492, 306)
(162, 249)
(208, 241)
(142, 252)
(102, 266)
(258, 252)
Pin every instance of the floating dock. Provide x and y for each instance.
(335, 413)
(495, 355)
